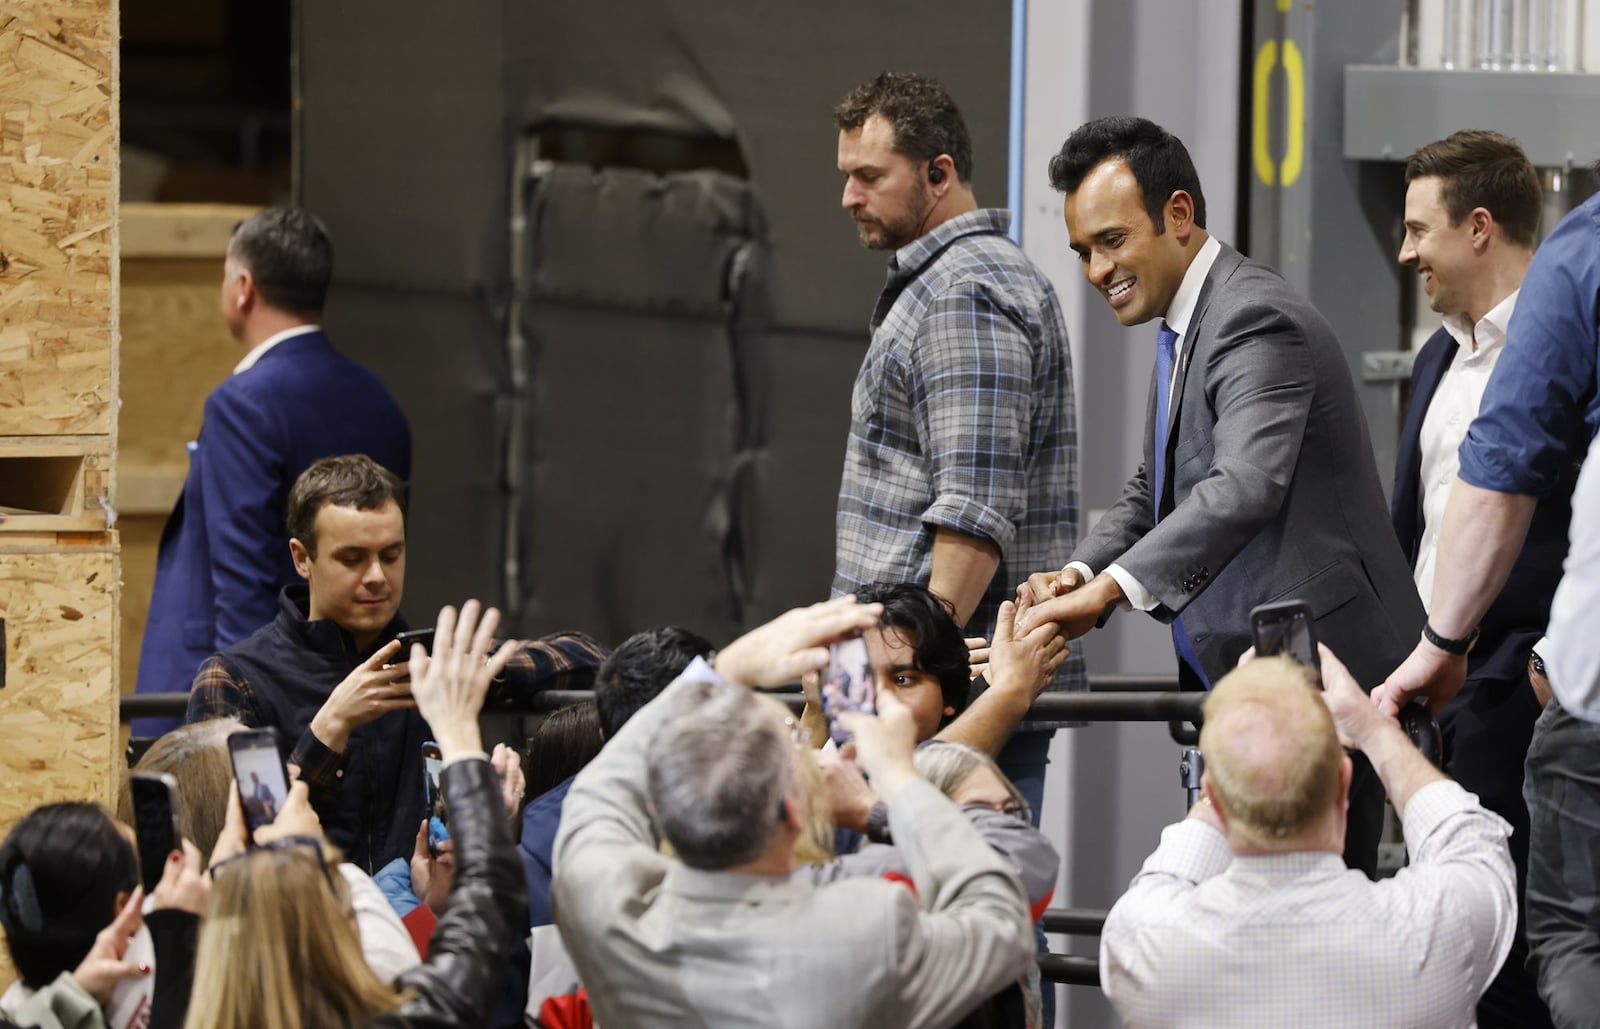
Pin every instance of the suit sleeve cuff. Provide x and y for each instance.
(1139, 598)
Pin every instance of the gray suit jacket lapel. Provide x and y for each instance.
(1228, 260)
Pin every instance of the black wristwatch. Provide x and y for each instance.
(1449, 646)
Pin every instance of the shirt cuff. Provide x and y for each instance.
(1542, 648)
(1139, 598)
(971, 518)
(465, 755)
(1082, 569)
(319, 765)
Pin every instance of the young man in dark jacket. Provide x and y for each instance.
(329, 676)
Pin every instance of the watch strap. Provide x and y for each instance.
(1450, 646)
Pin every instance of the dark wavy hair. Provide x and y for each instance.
(638, 670)
(61, 869)
(927, 622)
(1159, 161)
(925, 119)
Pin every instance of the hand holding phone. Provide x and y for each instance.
(1287, 628)
(847, 685)
(155, 823)
(258, 769)
(438, 816)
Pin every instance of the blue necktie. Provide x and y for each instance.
(1166, 342)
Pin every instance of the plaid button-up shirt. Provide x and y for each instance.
(962, 418)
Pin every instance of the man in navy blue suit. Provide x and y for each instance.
(292, 399)
(1473, 203)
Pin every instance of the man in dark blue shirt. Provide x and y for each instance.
(1539, 415)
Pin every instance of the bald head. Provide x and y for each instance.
(1273, 760)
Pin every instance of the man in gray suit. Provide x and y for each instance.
(1258, 482)
(720, 935)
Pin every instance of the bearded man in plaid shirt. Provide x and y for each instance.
(960, 471)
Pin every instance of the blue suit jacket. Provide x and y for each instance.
(225, 551)
(1518, 616)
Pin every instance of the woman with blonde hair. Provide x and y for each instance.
(279, 948)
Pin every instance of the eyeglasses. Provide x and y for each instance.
(286, 843)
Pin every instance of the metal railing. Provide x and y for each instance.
(1111, 698)
(1123, 698)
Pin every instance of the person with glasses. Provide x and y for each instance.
(279, 946)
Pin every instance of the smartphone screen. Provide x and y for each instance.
(1286, 628)
(847, 685)
(258, 769)
(438, 817)
(155, 823)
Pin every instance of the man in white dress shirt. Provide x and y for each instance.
(1473, 203)
(1246, 916)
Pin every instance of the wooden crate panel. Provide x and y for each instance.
(58, 708)
(175, 349)
(141, 543)
(54, 486)
(58, 205)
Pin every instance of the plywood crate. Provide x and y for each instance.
(59, 574)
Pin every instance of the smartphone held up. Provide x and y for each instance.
(258, 770)
(847, 685)
(1287, 628)
(155, 823)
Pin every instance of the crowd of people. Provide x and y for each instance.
(693, 853)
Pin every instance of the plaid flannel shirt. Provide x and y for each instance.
(962, 418)
(217, 693)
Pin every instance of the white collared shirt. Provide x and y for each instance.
(1203, 938)
(260, 349)
(1455, 403)
(1179, 314)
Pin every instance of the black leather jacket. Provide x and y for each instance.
(467, 956)
(456, 988)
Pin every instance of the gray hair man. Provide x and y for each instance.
(720, 935)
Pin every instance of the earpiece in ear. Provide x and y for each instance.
(935, 174)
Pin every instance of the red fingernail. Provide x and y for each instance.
(144, 969)
(174, 857)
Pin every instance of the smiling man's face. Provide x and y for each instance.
(1136, 269)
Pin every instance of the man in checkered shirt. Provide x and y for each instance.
(1246, 914)
(960, 471)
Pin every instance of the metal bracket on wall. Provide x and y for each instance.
(1380, 366)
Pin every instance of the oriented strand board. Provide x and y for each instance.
(58, 484)
(58, 710)
(58, 205)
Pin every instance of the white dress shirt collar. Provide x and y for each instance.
(1181, 310)
(1490, 331)
(260, 349)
